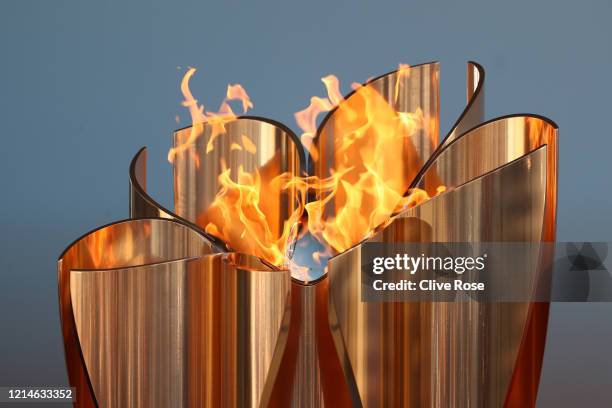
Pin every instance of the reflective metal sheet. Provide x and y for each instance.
(206, 332)
(303, 366)
(271, 149)
(481, 150)
(310, 374)
(487, 147)
(142, 205)
(418, 89)
(118, 245)
(371, 112)
(313, 376)
(441, 354)
(474, 111)
(151, 317)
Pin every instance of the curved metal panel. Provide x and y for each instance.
(390, 94)
(310, 372)
(119, 245)
(471, 117)
(481, 150)
(474, 111)
(196, 169)
(249, 144)
(203, 332)
(488, 147)
(441, 354)
(371, 111)
(378, 104)
(152, 316)
(142, 205)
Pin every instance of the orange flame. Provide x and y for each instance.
(237, 217)
(402, 72)
(199, 115)
(307, 119)
(365, 187)
(369, 177)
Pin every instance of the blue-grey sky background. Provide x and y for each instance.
(84, 84)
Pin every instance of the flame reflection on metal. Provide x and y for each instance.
(502, 187)
(151, 317)
(157, 312)
(313, 385)
(142, 205)
(197, 170)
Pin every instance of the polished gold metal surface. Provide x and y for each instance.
(486, 148)
(271, 149)
(142, 205)
(310, 373)
(119, 245)
(299, 383)
(474, 111)
(206, 332)
(313, 356)
(441, 354)
(157, 312)
(418, 89)
(372, 111)
(151, 317)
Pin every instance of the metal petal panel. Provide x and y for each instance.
(152, 317)
(441, 354)
(204, 332)
(197, 169)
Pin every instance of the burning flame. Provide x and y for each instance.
(365, 187)
(368, 180)
(199, 115)
(236, 215)
(307, 118)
